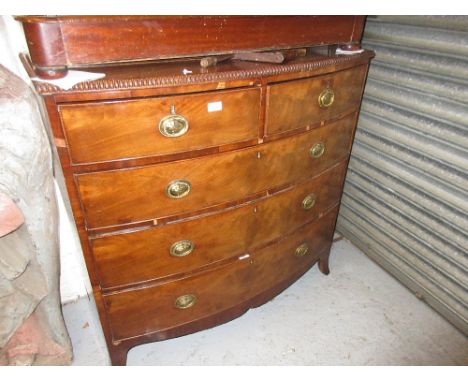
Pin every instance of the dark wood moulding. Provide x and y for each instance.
(58, 43)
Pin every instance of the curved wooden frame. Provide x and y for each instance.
(58, 43)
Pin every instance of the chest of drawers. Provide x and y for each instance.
(199, 193)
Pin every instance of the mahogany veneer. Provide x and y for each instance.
(198, 193)
(121, 129)
(220, 288)
(293, 105)
(126, 196)
(74, 41)
(125, 258)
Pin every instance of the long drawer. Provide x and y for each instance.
(181, 247)
(124, 196)
(165, 306)
(105, 131)
(296, 104)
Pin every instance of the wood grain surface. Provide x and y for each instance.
(152, 309)
(127, 258)
(125, 196)
(83, 40)
(294, 104)
(129, 129)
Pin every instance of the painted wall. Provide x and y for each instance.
(74, 281)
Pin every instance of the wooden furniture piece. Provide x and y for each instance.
(58, 43)
(199, 193)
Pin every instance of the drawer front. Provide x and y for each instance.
(158, 308)
(124, 196)
(293, 254)
(178, 248)
(293, 105)
(129, 129)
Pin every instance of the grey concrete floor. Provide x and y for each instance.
(357, 315)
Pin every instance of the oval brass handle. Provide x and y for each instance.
(308, 202)
(317, 150)
(302, 250)
(181, 248)
(178, 189)
(185, 301)
(173, 126)
(326, 98)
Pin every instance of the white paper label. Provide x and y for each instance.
(215, 106)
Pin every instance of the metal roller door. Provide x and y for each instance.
(405, 202)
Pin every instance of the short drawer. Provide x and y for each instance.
(126, 258)
(106, 131)
(186, 301)
(296, 104)
(124, 196)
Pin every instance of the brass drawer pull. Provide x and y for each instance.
(178, 189)
(173, 125)
(326, 98)
(185, 301)
(302, 250)
(181, 248)
(309, 201)
(317, 150)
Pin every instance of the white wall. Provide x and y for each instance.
(74, 281)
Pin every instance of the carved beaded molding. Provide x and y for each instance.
(151, 82)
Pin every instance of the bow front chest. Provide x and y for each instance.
(200, 192)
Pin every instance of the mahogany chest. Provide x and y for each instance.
(199, 192)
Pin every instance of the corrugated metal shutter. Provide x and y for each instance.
(405, 201)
